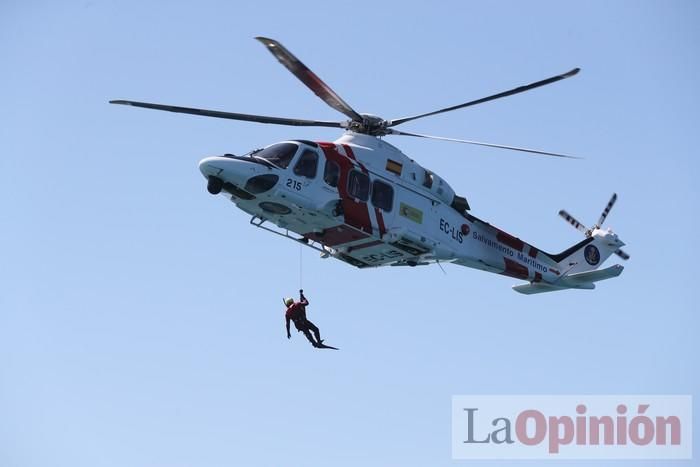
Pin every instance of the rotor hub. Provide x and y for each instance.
(370, 125)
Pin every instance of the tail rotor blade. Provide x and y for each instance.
(607, 209)
(622, 254)
(571, 220)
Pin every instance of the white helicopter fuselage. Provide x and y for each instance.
(364, 202)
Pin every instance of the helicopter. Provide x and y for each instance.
(361, 200)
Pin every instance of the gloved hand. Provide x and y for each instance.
(289, 336)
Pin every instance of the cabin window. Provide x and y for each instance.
(331, 173)
(280, 154)
(428, 179)
(307, 164)
(382, 195)
(358, 185)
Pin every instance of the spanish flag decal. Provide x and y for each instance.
(393, 166)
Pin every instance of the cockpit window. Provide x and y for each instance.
(280, 154)
(307, 164)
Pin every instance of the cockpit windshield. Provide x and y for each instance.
(280, 154)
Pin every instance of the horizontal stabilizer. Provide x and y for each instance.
(593, 276)
(538, 287)
(531, 289)
(581, 280)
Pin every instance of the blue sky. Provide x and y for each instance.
(140, 318)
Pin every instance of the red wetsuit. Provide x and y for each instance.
(297, 312)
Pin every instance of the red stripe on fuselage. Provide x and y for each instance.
(380, 222)
(509, 240)
(351, 155)
(377, 212)
(356, 213)
(337, 235)
(514, 269)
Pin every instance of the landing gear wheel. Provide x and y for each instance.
(214, 185)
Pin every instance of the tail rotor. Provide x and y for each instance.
(589, 232)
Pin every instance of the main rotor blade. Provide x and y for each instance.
(622, 254)
(517, 90)
(309, 78)
(571, 220)
(513, 148)
(231, 115)
(607, 209)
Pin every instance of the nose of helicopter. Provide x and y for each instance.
(213, 165)
(237, 175)
(228, 169)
